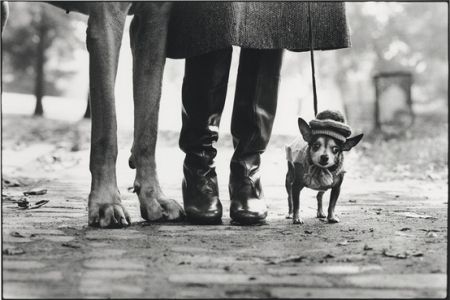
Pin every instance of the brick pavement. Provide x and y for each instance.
(64, 258)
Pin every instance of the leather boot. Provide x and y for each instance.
(204, 92)
(251, 127)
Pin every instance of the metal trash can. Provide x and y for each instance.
(393, 103)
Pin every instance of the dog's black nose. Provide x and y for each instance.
(324, 159)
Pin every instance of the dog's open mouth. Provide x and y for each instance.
(323, 164)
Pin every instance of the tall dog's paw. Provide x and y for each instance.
(151, 210)
(321, 214)
(107, 215)
(333, 219)
(172, 210)
(289, 216)
(297, 221)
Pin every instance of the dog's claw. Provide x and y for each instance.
(333, 219)
(151, 210)
(172, 209)
(107, 216)
(321, 214)
(297, 221)
(162, 209)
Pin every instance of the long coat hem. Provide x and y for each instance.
(200, 27)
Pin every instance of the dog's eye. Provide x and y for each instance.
(335, 150)
(316, 147)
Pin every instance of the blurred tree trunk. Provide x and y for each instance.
(87, 114)
(39, 89)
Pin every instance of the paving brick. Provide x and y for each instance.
(211, 259)
(347, 293)
(39, 231)
(58, 238)
(108, 288)
(24, 290)
(117, 234)
(11, 239)
(412, 281)
(22, 264)
(106, 252)
(122, 264)
(189, 249)
(112, 273)
(229, 279)
(26, 276)
(324, 269)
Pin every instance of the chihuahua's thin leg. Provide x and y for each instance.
(335, 191)
(289, 182)
(296, 203)
(320, 213)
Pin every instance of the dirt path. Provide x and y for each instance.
(391, 242)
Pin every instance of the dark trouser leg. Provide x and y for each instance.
(204, 92)
(251, 126)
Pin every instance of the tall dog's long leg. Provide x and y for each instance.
(104, 37)
(148, 33)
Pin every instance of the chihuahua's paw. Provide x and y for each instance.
(321, 214)
(289, 216)
(297, 221)
(333, 219)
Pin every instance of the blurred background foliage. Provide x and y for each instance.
(39, 42)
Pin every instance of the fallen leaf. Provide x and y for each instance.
(415, 215)
(296, 259)
(13, 251)
(405, 229)
(343, 243)
(403, 255)
(402, 233)
(352, 201)
(16, 234)
(35, 193)
(308, 232)
(431, 234)
(71, 245)
(39, 204)
(23, 203)
(367, 247)
(10, 182)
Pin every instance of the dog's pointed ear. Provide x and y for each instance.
(352, 142)
(305, 130)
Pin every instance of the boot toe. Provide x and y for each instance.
(195, 215)
(255, 211)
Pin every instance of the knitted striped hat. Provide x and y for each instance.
(331, 123)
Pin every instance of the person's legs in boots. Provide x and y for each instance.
(204, 92)
(251, 126)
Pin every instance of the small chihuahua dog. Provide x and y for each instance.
(317, 162)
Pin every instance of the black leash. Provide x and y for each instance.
(311, 43)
